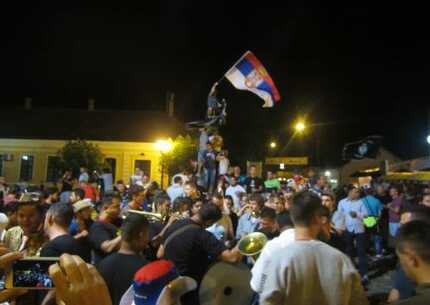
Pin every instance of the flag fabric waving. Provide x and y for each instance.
(249, 74)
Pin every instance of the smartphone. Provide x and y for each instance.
(31, 273)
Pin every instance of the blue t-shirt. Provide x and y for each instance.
(373, 205)
(74, 227)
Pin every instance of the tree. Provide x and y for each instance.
(184, 150)
(77, 153)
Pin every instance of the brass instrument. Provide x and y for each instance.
(180, 216)
(255, 214)
(149, 215)
(252, 244)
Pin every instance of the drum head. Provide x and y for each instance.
(226, 284)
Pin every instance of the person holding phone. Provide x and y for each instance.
(77, 283)
(6, 260)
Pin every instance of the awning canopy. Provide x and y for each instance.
(414, 176)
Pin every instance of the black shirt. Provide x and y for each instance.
(253, 183)
(99, 233)
(63, 244)
(193, 250)
(118, 271)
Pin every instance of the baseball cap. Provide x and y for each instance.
(82, 204)
(151, 280)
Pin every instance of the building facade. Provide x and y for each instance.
(34, 160)
(126, 138)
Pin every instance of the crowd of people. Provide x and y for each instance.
(135, 242)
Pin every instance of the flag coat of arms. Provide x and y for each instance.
(249, 74)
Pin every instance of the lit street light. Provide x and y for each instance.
(327, 174)
(273, 144)
(428, 139)
(300, 127)
(163, 147)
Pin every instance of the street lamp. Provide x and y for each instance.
(163, 146)
(428, 139)
(273, 144)
(300, 126)
(327, 174)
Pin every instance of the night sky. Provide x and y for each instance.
(353, 71)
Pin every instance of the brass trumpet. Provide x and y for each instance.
(252, 244)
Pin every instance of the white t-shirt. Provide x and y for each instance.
(311, 272)
(108, 182)
(263, 261)
(224, 163)
(231, 191)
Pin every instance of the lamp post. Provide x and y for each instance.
(273, 145)
(163, 146)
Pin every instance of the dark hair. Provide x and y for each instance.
(328, 195)
(229, 198)
(304, 207)
(324, 211)
(160, 200)
(258, 198)
(132, 226)
(210, 212)
(416, 236)
(51, 191)
(62, 213)
(419, 212)
(177, 179)
(351, 187)
(79, 192)
(180, 201)
(135, 190)
(268, 213)
(397, 187)
(120, 182)
(11, 207)
(284, 220)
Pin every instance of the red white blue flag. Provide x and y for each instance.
(249, 74)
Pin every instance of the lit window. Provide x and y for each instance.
(26, 171)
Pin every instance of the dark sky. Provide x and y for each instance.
(352, 70)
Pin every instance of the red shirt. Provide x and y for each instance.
(90, 193)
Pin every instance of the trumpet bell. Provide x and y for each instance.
(252, 244)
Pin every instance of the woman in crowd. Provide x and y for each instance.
(28, 237)
(228, 207)
(223, 228)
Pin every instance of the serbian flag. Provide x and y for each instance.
(249, 74)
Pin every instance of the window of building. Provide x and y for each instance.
(144, 165)
(53, 171)
(26, 171)
(112, 166)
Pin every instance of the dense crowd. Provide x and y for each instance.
(150, 244)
